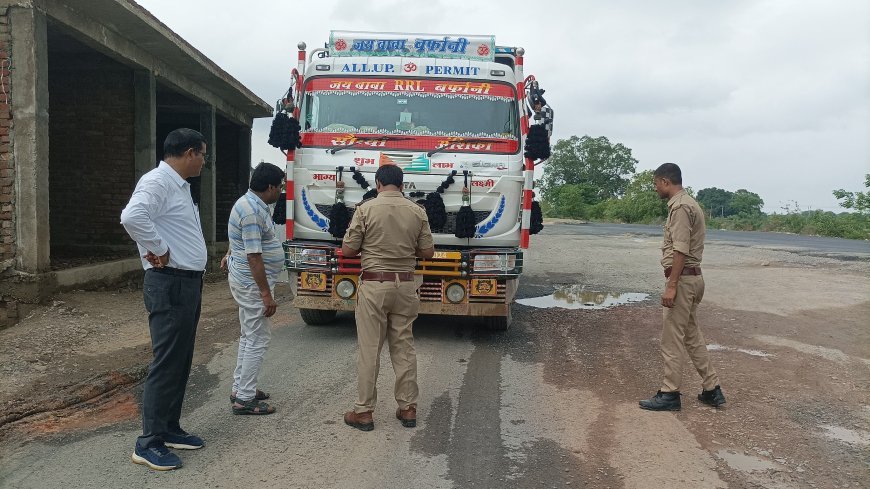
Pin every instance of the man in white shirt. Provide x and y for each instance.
(163, 220)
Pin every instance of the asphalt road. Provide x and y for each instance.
(550, 403)
(844, 248)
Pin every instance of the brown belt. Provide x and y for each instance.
(686, 271)
(388, 276)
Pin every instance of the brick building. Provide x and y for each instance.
(88, 91)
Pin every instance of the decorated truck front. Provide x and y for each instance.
(451, 112)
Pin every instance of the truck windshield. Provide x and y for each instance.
(442, 108)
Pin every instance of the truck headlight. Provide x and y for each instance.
(345, 288)
(455, 292)
(494, 263)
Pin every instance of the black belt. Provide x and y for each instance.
(686, 271)
(178, 272)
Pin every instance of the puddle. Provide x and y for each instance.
(746, 463)
(754, 353)
(846, 435)
(574, 297)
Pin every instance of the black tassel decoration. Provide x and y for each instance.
(295, 137)
(537, 221)
(465, 225)
(359, 178)
(434, 205)
(339, 217)
(285, 132)
(537, 143)
(435, 211)
(279, 215)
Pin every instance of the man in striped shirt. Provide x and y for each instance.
(255, 258)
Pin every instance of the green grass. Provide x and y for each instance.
(815, 223)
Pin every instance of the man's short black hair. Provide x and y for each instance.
(389, 175)
(266, 174)
(181, 140)
(669, 171)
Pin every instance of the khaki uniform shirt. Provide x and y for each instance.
(684, 230)
(388, 230)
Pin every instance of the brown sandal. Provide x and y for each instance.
(253, 406)
(260, 396)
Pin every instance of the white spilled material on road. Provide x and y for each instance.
(760, 289)
(845, 435)
(532, 409)
(832, 354)
(754, 353)
(647, 442)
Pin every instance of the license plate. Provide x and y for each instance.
(447, 255)
(313, 281)
(483, 286)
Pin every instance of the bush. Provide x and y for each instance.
(817, 223)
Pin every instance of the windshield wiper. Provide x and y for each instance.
(360, 140)
(463, 140)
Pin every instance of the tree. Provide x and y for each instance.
(595, 163)
(716, 201)
(746, 203)
(572, 201)
(640, 203)
(860, 201)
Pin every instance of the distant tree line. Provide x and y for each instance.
(590, 178)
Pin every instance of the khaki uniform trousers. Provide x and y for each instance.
(386, 310)
(680, 332)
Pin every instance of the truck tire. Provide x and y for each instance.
(317, 317)
(499, 323)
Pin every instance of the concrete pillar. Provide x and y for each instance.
(29, 100)
(244, 173)
(145, 122)
(208, 201)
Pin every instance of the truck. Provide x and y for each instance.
(454, 112)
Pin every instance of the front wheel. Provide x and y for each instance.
(317, 317)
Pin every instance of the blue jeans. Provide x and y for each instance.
(173, 304)
(256, 331)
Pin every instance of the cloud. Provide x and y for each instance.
(768, 95)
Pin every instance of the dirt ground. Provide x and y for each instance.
(788, 332)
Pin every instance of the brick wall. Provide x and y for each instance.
(7, 167)
(91, 134)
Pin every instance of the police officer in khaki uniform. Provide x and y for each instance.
(681, 258)
(389, 232)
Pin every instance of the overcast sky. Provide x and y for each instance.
(771, 95)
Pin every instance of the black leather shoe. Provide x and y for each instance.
(714, 397)
(662, 401)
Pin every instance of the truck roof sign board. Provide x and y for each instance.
(365, 44)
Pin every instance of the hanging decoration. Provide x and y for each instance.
(361, 180)
(434, 205)
(465, 225)
(279, 215)
(537, 143)
(537, 218)
(339, 217)
(285, 133)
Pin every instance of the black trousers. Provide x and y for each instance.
(173, 303)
